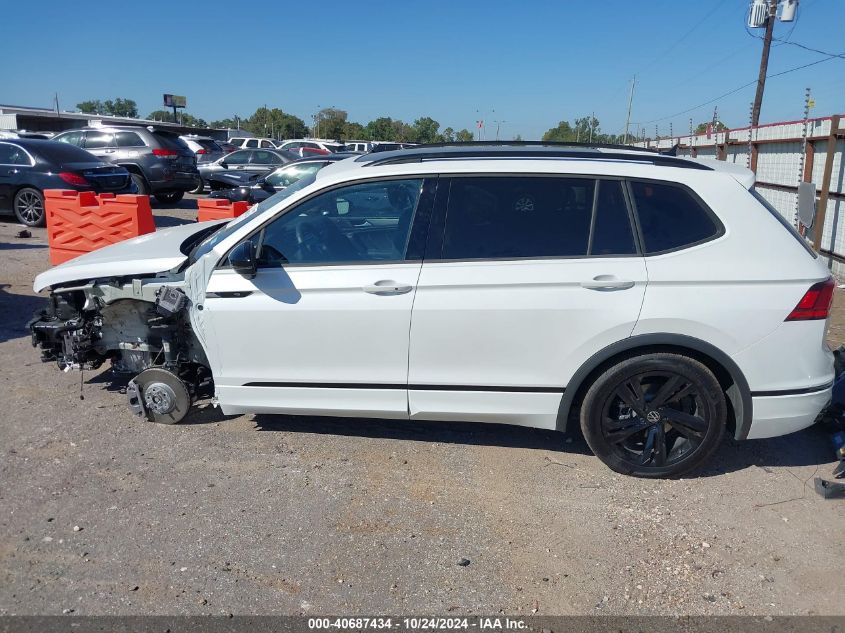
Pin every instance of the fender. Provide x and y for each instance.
(739, 393)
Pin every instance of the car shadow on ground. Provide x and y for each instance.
(15, 311)
(810, 447)
(19, 246)
(167, 221)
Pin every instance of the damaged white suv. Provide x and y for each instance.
(656, 300)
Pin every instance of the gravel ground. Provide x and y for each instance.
(102, 513)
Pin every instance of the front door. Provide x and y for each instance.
(525, 279)
(323, 327)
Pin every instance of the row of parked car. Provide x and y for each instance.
(149, 161)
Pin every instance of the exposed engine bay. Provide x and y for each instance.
(142, 328)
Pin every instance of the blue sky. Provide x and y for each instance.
(528, 63)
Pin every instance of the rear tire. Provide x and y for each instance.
(171, 197)
(29, 207)
(200, 188)
(140, 184)
(655, 415)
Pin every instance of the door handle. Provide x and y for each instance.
(607, 282)
(387, 287)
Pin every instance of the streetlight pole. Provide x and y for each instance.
(764, 64)
(630, 102)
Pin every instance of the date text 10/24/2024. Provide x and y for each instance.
(417, 623)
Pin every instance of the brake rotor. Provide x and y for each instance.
(160, 394)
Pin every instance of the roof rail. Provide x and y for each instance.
(632, 148)
(526, 150)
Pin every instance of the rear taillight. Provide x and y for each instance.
(74, 179)
(202, 151)
(815, 304)
(167, 153)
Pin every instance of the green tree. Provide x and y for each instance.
(186, 119)
(381, 129)
(563, 133)
(116, 107)
(426, 130)
(701, 128)
(121, 107)
(330, 123)
(95, 106)
(354, 131)
(404, 133)
(447, 136)
(464, 136)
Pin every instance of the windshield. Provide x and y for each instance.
(226, 230)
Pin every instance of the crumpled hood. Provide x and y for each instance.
(148, 254)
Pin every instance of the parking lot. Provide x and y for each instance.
(103, 513)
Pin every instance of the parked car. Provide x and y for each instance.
(312, 146)
(656, 300)
(252, 187)
(227, 147)
(358, 146)
(29, 166)
(253, 143)
(159, 161)
(258, 161)
(207, 150)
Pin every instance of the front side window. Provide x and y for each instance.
(368, 222)
(670, 217)
(267, 144)
(251, 143)
(515, 217)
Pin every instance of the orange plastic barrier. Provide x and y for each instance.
(79, 222)
(219, 209)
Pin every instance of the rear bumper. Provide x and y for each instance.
(177, 183)
(781, 414)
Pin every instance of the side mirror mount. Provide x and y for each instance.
(243, 260)
(223, 164)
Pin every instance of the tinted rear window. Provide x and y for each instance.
(65, 153)
(671, 218)
(169, 140)
(128, 139)
(514, 217)
(211, 146)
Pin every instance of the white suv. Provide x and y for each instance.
(655, 300)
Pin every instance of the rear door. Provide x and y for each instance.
(525, 278)
(102, 144)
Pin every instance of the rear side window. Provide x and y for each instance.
(211, 146)
(265, 158)
(514, 217)
(671, 218)
(251, 143)
(12, 155)
(612, 233)
(98, 140)
(128, 139)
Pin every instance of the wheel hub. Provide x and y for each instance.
(159, 398)
(653, 416)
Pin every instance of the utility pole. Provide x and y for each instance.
(592, 118)
(630, 101)
(764, 63)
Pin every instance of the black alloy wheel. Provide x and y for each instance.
(657, 415)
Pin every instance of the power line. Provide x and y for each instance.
(735, 90)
